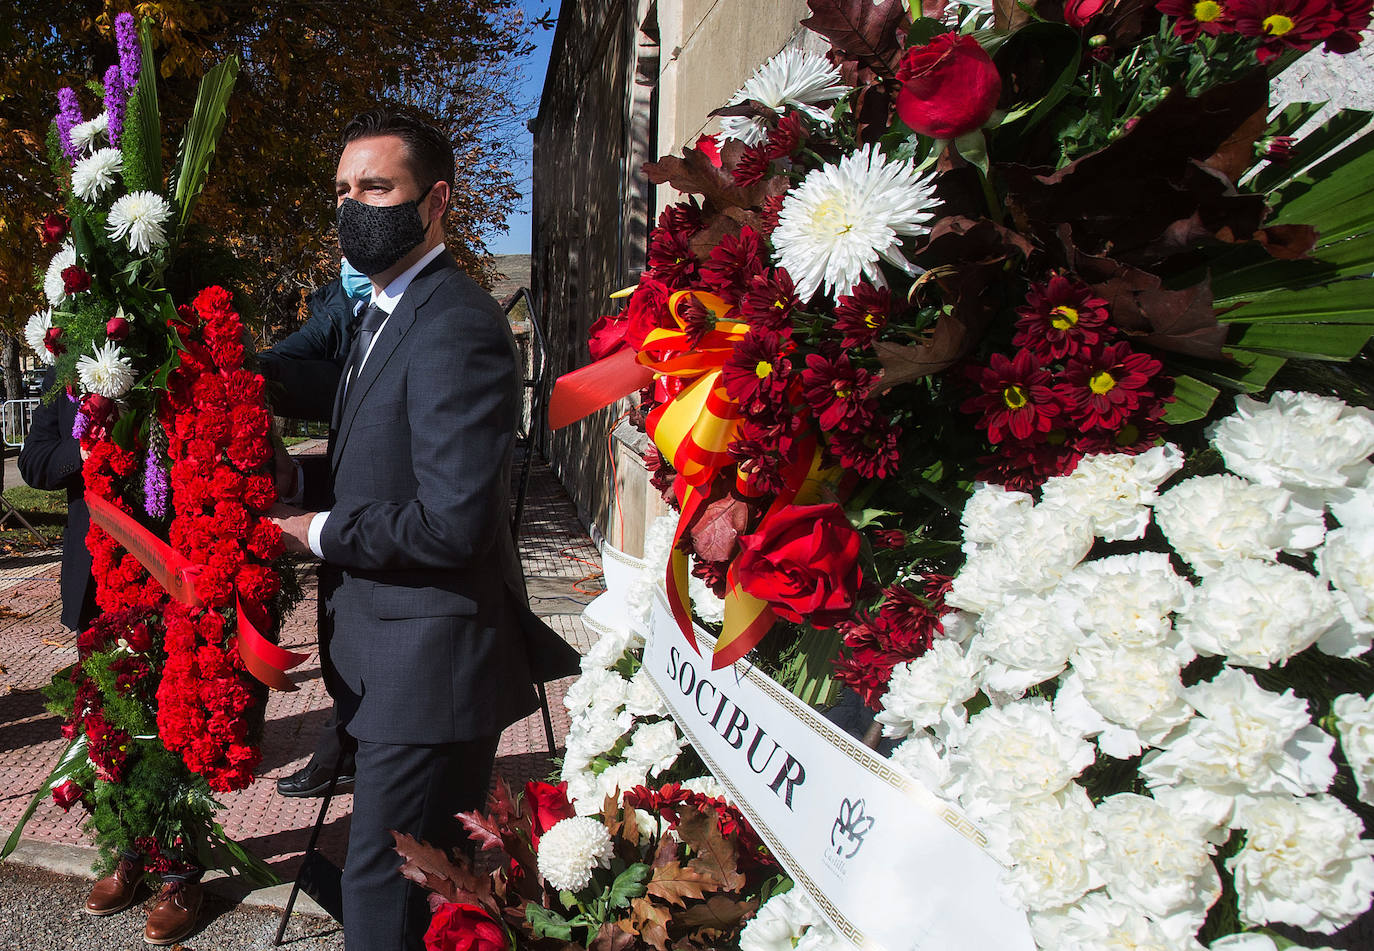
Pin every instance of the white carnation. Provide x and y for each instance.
(642, 697)
(1297, 440)
(921, 691)
(615, 781)
(1019, 751)
(1213, 520)
(1054, 849)
(1303, 863)
(139, 217)
(922, 757)
(1253, 941)
(1114, 489)
(655, 747)
(1256, 613)
(1136, 689)
(1045, 547)
(1355, 726)
(780, 923)
(1354, 506)
(571, 850)
(1156, 860)
(108, 373)
(706, 785)
(1027, 639)
(610, 647)
(93, 175)
(991, 512)
(36, 332)
(1097, 923)
(1127, 600)
(1346, 562)
(600, 687)
(53, 287)
(1245, 741)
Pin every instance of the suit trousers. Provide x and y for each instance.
(416, 790)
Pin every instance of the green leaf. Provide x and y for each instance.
(629, 884)
(150, 122)
(547, 923)
(1055, 51)
(72, 759)
(1331, 134)
(1344, 302)
(923, 29)
(1306, 341)
(253, 870)
(1192, 400)
(202, 135)
(868, 516)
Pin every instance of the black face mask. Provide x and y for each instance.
(374, 237)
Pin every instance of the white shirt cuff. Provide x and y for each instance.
(316, 531)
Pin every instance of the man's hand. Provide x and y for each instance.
(295, 527)
(283, 468)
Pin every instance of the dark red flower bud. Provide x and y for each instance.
(1077, 13)
(75, 280)
(69, 731)
(67, 794)
(52, 340)
(55, 227)
(1277, 148)
(889, 538)
(117, 328)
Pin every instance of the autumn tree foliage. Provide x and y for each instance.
(306, 68)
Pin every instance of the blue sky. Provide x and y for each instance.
(517, 241)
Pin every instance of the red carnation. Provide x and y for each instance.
(1016, 398)
(75, 280)
(647, 311)
(803, 561)
(55, 228)
(1077, 13)
(1103, 386)
(949, 86)
(116, 328)
(1060, 319)
(457, 927)
(52, 341)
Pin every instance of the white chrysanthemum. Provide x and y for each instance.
(928, 689)
(655, 747)
(1256, 613)
(36, 331)
(84, 134)
(1127, 600)
(93, 175)
(139, 217)
(780, 923)
(1097, 923)
(1246, 741)
(108, 373)
(991, 512)
(1137, 691)
(1115, 489)
(1054, 850)
(1156, 860)
(1303, 863)
(1212, 520)
(1015, 752)
(1297, 440)
(53, 287)
(842, 219)
(1346, 562)
(1027, 640)
(1048, 543)
(571, 850)
(794, 78)
(1355, 725)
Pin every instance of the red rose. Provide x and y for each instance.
(1077, 13)
(55, 228)
(67, 794)
(804, 561)
(75, 280)
(949, 86)
(117, 328)
(456, 927)
(546, 804)
(53, 341)
(607, 335)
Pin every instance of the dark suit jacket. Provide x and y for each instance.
(310, 359)
(425, 628)
(51, 459)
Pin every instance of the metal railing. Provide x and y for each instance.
(15, 418)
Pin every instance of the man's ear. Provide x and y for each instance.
(438, 200)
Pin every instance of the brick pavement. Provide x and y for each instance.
(563, 569)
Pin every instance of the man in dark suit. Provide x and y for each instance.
(429, 645)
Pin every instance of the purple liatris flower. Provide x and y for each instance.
(80, 424)
(68, 116)
(130, 57)
(154, 486)
(116, 97)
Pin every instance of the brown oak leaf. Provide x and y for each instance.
(430, 867)
(717, 915)
(867, 32)
(677, 883)
(716, 856)
(650, 921)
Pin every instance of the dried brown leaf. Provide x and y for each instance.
(676, 884)
(869, 32)
(612, 938)
(716, 857)
(716, 530)
(650, 921)
(482, 830)
(717, 915)
(432, 868)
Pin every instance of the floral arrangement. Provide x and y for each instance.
(945, 362)
(160, 708)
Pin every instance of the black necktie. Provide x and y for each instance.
(372, 318)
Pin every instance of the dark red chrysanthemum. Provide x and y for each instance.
(1017, 397)
(870, 450)
(768, 215)
(788, 135)
(836, 390)
(911, 620)
(762, 452)
(713, 573)
(862, 314)
(1103, 386)
(670, 245)
(1284, 24)
(733, 263)
(1060, 319)
(1136, 435)
(753, 166)
(757, 372)
(1194, 17)
(1022, 466)
(769, 300)
(1352, 19)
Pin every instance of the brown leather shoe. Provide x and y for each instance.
(115, 891)
(174, 916)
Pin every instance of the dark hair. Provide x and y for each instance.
(430, 152)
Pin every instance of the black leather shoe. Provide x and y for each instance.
(313, 780)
